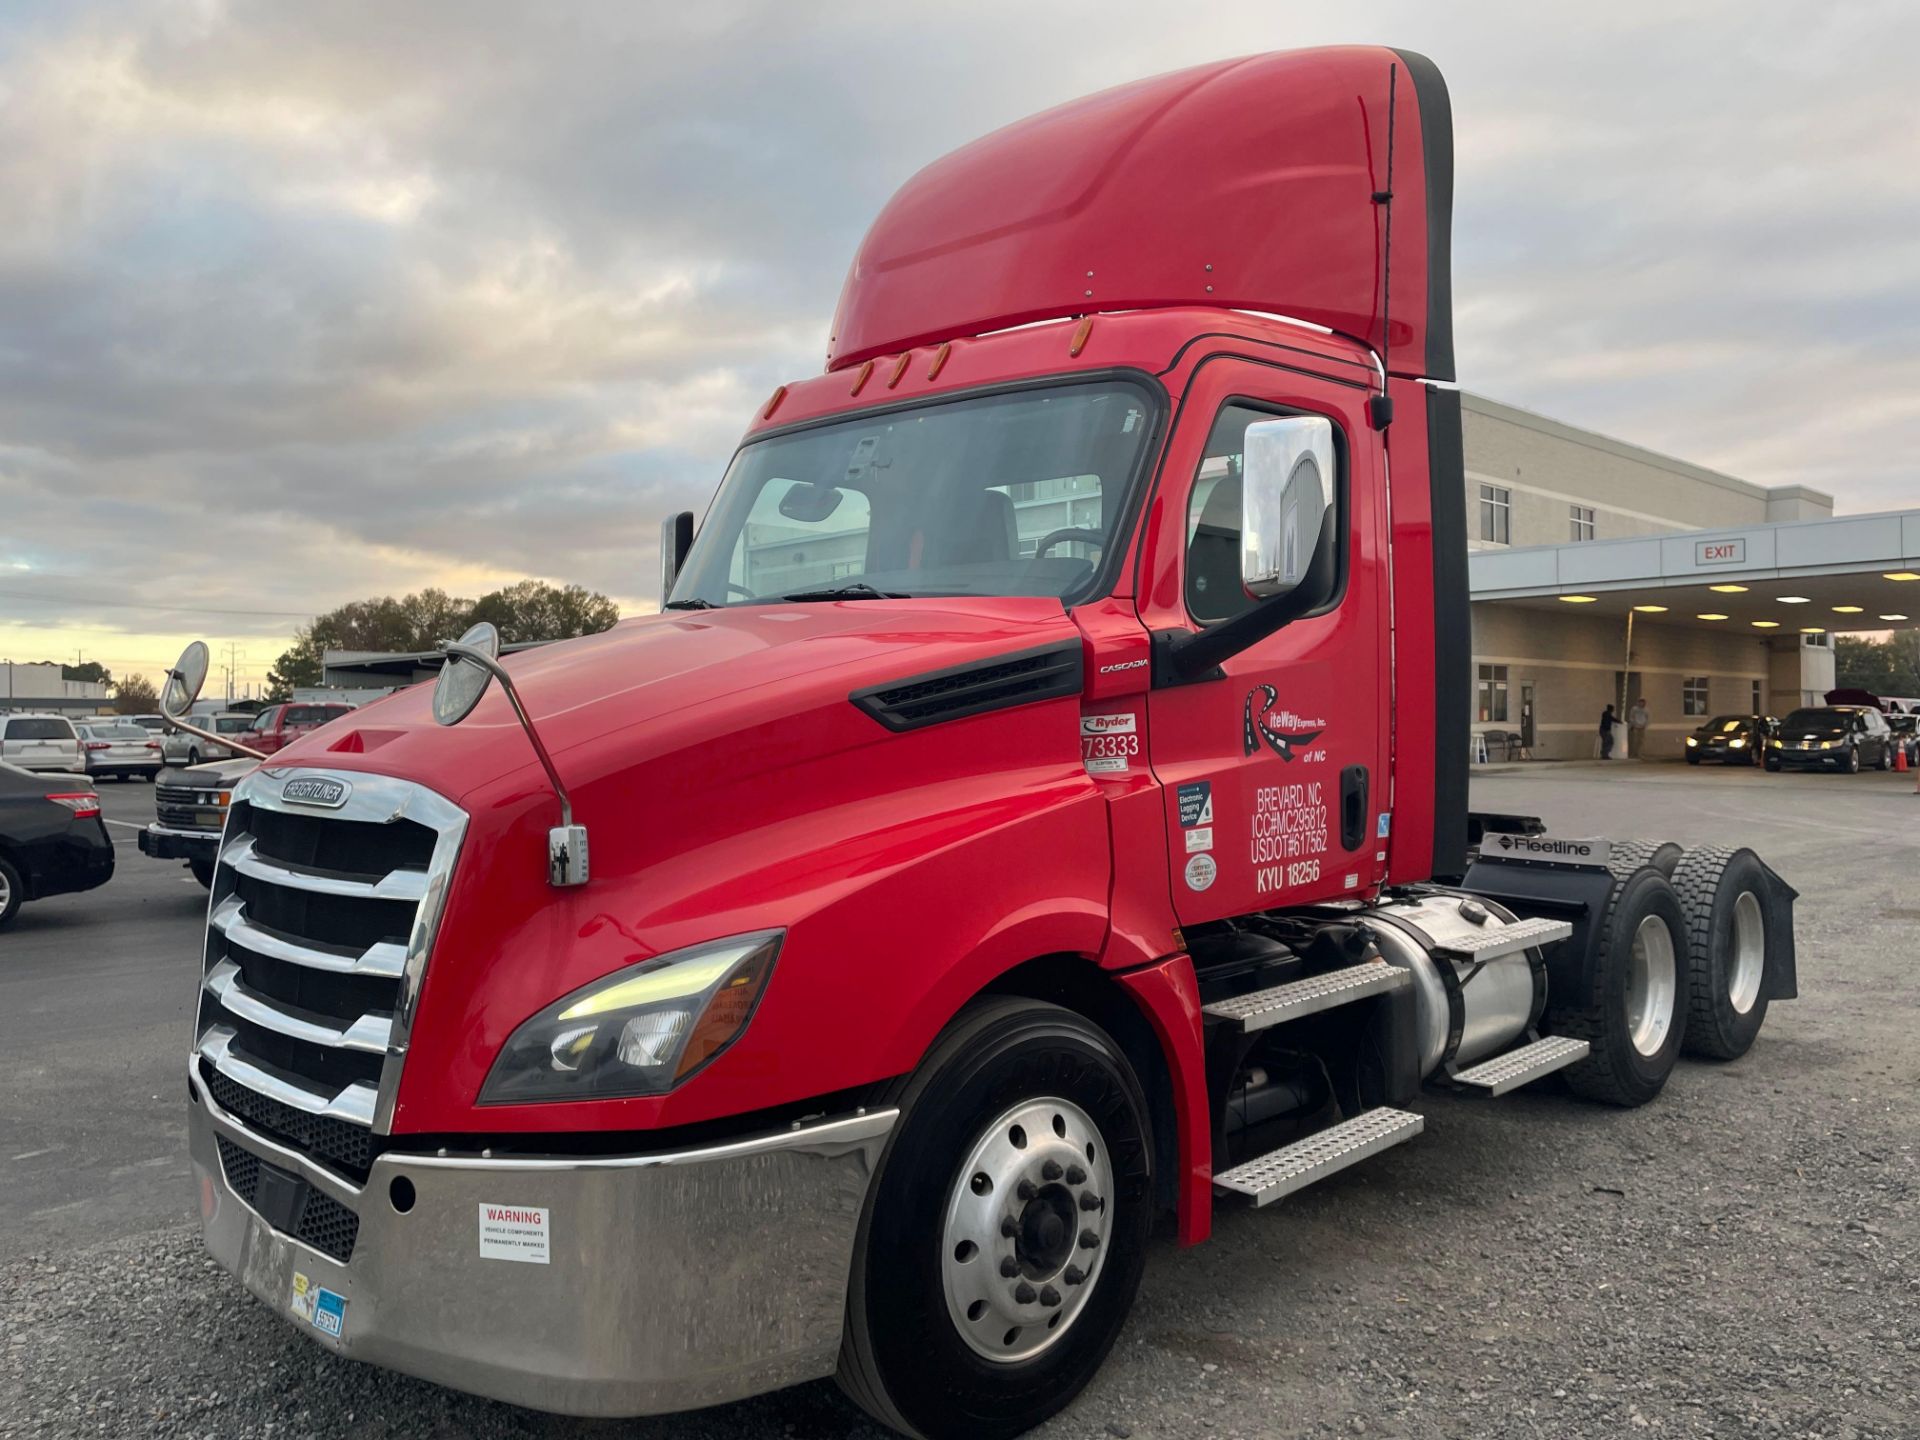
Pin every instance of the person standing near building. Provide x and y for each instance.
(1637, 719)
(1607, 721)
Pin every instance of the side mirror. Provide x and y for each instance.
(1286, 502)
(676, 538)
(462, 682)
(1289, 544)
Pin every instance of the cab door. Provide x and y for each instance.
(1276, 766)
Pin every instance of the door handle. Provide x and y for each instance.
(1353, 806)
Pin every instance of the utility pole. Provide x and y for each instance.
(234, 656)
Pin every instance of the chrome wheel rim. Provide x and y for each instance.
(1651, 986)
(1748, 963)
(6, 893)
(1027, 1226)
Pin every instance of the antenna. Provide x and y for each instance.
(1380, 407)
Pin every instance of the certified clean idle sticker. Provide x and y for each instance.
(1200, 872)
(516, 1232)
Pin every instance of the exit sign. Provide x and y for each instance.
(1719, 552)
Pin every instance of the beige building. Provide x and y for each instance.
(1594, 565)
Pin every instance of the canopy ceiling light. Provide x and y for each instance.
(1578, 599)
(1709, 617)
(1728, 589)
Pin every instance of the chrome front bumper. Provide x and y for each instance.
(672, 1280)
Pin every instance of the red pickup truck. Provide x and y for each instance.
(278, 726)
(1040, 807)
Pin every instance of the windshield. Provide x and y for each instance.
(1816, 720)
(1014, 494)
(1727, 724)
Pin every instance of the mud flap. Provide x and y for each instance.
(1783, 974)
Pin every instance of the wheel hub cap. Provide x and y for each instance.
(1652, 985)
(1026, 1231)
(1749, 958)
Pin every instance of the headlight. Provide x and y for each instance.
(1778, 744)
(1691, 742)
(638, 1031)
(1736, 744)
(1826, 744)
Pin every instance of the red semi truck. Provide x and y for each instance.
(1038, 811)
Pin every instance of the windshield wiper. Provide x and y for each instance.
(694, 604)
(858, 590)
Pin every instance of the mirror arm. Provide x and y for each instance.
(1195, 654)
(174, 722)
(498, 671)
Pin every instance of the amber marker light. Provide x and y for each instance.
(899, 369)
(860, 380)
(1709, 617)
(1577, 599)
(1080, 334)
(1728, 589)
(773, 404)
(939, 360)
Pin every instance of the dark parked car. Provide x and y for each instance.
(52, 839)
(1731, 739)
(190, 807)
(1832, 737)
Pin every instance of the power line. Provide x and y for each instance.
(146, 605)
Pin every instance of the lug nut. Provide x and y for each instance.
(1023, 1293)
(1075, 1275)
(1049, 1297)
(1025, 1190)
(1051, 1170)
(1009, 1267)
(1090, 1201)
(1009, 1227)
(1089, 1240)
(1075, 1175)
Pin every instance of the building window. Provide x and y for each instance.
(1491, 700)
(1496, 514)
(1819, 642)
(1580, 520)
(1693, 695)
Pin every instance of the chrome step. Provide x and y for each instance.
(1493, 942)
(1306, 997)
(1267, 1178)
(1515, 1068)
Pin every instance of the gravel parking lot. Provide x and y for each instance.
(1737, 1259)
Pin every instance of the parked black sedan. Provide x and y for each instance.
(1731, 739)
(52, 839)
(1832, 737)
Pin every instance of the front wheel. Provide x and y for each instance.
(1853, 760)
(202, 871)
(1005, 1234)
(12, 891)
(193, 757)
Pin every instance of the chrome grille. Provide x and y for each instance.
(318, 930)
(188, 807)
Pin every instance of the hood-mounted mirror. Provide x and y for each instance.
(185, 681)
(472, 661)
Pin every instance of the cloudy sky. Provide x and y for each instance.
(302, 303)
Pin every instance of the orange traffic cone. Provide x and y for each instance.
(1900, 755)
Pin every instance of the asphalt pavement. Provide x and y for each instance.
(96, 1012)
(1736, 1259)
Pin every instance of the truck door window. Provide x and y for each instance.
(1009, 494)
(1214, 591)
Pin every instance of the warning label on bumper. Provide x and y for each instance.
(515, 1232)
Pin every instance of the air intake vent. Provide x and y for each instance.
(999, 683)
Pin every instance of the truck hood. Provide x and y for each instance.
(657, 683)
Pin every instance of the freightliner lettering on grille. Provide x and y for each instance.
(319, 927)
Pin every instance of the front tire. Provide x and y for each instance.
(1852, 766)
(12, 891)
(1005, 1234)
(1634, 1014)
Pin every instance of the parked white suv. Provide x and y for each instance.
(180, 748)
(40, 742)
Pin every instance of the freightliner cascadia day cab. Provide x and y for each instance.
(1038, 812)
